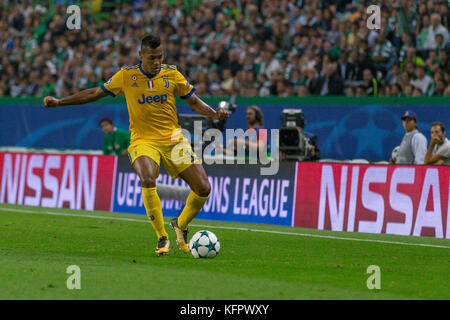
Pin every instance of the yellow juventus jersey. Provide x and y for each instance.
(150, 100)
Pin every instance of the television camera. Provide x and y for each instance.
(293, 143)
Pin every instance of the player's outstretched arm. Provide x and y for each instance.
(202, 108)
(82, 97)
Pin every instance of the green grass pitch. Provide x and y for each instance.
(115, 255)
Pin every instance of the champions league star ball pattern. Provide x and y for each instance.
(394, 153)
(204, 244)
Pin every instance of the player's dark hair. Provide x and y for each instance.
(440, 124)
(105, 120)
(151, 42)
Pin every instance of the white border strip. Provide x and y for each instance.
(295, 193)
(228, 228)
(113, 187)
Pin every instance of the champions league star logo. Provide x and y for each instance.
(369, 132)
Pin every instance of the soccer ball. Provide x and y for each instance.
(204, 244)
(394, 153)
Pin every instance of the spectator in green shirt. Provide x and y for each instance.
(411, 56)
(115, 141)
(422, 35)
(406, 14)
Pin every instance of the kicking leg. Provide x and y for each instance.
(195, 176)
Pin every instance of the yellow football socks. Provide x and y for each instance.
(194, 205)
(153, 207)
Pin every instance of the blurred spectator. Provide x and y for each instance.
(406, 43)
(313, 81)
(370, 83)
(302, 91)
(350, 92)
(345, 68)
(383, 54)
(435, 28)
(440, 44)
(330, 82)
(409, 90)
(405, 80)
(423, 82)
(283, 47)
(442, 63)
(396, 90)
(394, 76)
(440, 88)
(422, 35)
(406, 16)
(417, 92)
(16, 88)
(363, 62)
(360, 91)
(227, 83)
(412, 58)
(447, 91)
(438, 152)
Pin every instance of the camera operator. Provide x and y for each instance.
(255, 122)
(313, 151)
(294, 142)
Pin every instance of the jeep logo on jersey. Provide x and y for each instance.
(149, 99)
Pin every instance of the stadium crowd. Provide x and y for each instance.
(232, 47)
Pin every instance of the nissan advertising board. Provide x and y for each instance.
(403, 200)
(392, 199)
(57, 181)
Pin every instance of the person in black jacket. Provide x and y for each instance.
(370, 83)
(313, 81)
(364, 62)
(331, 82)
(345, 68)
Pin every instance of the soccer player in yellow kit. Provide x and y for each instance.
(149, 89)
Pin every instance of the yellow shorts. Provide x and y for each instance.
(176, 157)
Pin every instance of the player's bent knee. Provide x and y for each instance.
(204, 189)
(148, 182)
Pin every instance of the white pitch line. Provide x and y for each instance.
(72, 215)
(228, 228)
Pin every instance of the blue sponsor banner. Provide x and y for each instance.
(70, 127)
(368, 131)
(238, 193)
